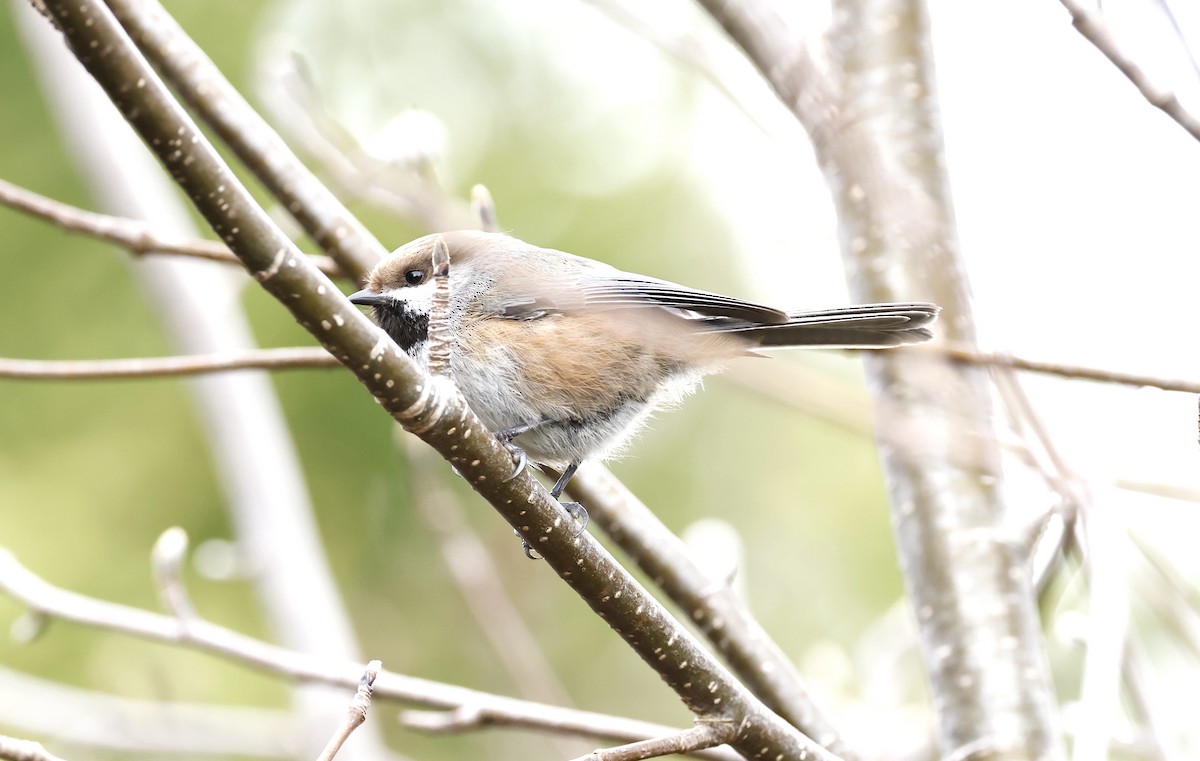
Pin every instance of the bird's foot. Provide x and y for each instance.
(578, 514)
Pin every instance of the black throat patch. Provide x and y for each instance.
(406, 326)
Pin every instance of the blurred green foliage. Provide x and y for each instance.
(92, 472)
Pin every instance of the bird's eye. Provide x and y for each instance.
(414, 277)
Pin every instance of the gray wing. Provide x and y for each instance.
(620, 290)
(626, 291)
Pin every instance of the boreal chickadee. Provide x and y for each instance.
(567, 357)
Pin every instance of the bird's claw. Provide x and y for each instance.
(578, 513)
(529, 553)
(519, 458)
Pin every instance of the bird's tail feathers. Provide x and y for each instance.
(861, 327)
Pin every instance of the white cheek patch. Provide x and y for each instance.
(419, 297)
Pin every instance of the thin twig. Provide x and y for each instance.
(134, 235)
(12, 749)
(309, 357)
(1056, 525)
(689, 740)
(967, 355)
(356, 714)
(1091, 24)
(293, 358)
(53, 602)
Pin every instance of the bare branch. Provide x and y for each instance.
(295, 358)
(302, 357)
(356, 714)
(688, 740)
(134, 235)
(53, 602)
(1091, 24)
(958, 352)
(194, 76)
(12, 749)
(476, 717)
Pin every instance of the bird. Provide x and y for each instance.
(564, 358)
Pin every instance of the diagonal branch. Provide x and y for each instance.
(1091, 24)
(201, 84)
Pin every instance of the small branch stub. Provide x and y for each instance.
(357, 712)
(166, 562)
(484, 209)
(440, 337)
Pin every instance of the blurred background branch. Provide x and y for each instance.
(876, 133)
(494, 710)
(249, 441)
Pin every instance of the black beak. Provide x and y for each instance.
(367, 298)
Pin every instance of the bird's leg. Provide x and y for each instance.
(557, 490)
(574, 509)
(506, 437)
